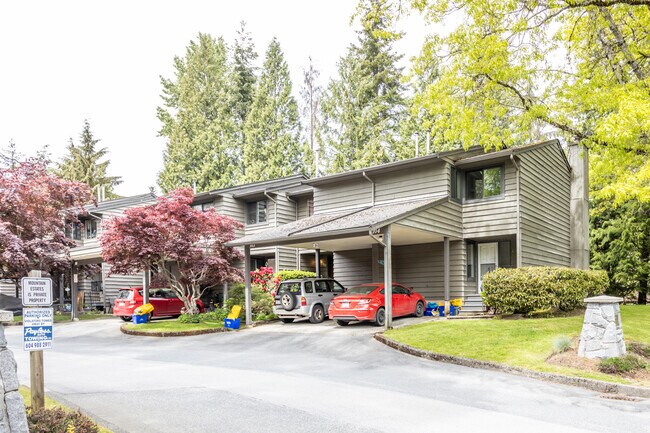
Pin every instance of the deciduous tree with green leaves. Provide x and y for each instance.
(85, 163)
(272, 146)
(364, 105)
(516, 71)
(198, 119)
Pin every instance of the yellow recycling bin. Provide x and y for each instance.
(143, 309)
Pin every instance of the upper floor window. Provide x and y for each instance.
(76, 232)
(91, 229)
(256, 212)
(484, 183)
(310, 207)
(203, 206)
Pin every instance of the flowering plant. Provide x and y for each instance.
(263, 277)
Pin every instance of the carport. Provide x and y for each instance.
(391, 224)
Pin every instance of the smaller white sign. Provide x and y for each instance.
(37, 292)
(37, 328)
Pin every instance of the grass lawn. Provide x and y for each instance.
(50, 403)
(523, 343)
(173, 326)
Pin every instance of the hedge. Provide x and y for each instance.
(528, 289)
(292, 275)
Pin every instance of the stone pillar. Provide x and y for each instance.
(602, 330)
(13, 418)
(579, 161)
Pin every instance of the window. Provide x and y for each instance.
(484, 183)
(455, 184)
(322, 287)
(91, 229)
(256, 212)
(399, 290)
(471, 261)
(76, 231)
(310, 207)
(309, 288)
(337, 288)
(203, 206)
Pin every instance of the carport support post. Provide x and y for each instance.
(446, 271)
(317, 262)
(247, 282)
(146, 280)
(388, 279)
(73, 292)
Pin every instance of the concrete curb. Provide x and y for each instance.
(590, 384)
(172, 334)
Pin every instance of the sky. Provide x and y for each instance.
(66, 61)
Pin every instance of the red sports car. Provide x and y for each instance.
(164, 301)
(366, 302)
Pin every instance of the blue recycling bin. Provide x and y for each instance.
(441, 311)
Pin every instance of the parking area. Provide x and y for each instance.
(303, 326)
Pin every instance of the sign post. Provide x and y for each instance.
(37, 331)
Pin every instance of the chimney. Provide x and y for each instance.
(579, 161)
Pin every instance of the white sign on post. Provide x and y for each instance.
(37, 292)
(37, 328)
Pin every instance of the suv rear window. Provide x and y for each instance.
(289, 287)
(125, 294)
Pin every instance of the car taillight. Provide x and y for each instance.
(364, 301)
(132, 302)
(303, 301)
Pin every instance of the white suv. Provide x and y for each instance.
(307, 297)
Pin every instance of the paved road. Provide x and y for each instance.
(302, 378)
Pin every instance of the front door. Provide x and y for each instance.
(488, 260)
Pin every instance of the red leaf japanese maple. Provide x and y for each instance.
(34, 206)
(184, 245)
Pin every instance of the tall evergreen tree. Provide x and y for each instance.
(197, 120)
(620, 244)
(244, 56)
(83, 163)
(311, 93)
(364, 106)
(272, 133)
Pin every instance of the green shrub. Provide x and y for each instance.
(640, 349)
(292, 275)
(214, 316)
(262, 301)
(562, 344)
(624, 364)
(189, 318)
(522, 290)
(57, 420)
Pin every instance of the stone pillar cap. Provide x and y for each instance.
(603, 299)
(6, 316)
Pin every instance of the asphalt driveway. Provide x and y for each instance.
(301, 378)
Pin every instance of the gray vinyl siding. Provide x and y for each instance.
(545, 208)
(286, 210)
(287, 259)
(7, 288)
(303, 207)
(353, 267)
(416, 182)
(493, 217)
(408, 183)
(422, 267)
(112, 283)
(236, 209)
(445, 219)
(347, 194)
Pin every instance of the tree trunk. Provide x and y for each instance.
(642, 299)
